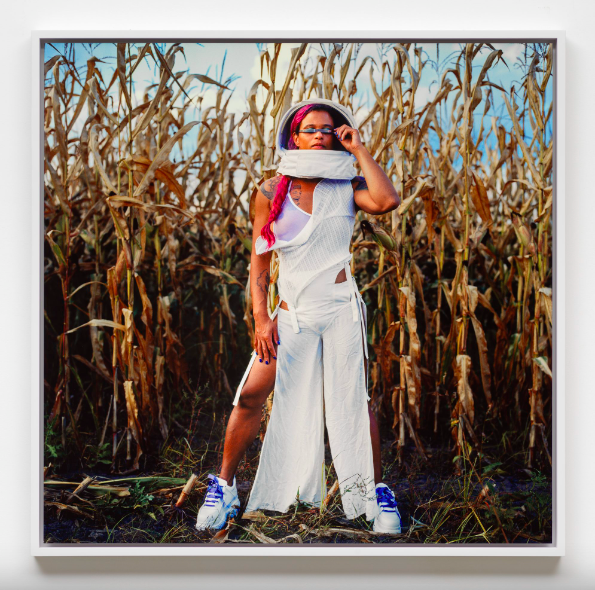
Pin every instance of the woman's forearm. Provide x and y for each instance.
(381, 189)
(259, 283)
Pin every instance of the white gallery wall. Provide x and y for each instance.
(19, 570)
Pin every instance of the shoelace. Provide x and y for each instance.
(214, 492)
(386, 499)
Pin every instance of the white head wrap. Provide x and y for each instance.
(314, 163)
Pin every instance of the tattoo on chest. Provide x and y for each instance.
(296, 191)
(262, 281)
(269, 188)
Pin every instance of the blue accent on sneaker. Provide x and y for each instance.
(386, 499)
(214, 491)
(388, 519)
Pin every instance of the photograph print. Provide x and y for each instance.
(298, 293)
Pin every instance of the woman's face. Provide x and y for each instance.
(318, 140)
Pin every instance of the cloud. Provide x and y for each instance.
(283, 62)
(425, 94)
(361, 114)
(510, 51)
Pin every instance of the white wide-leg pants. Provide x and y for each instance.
(320, 374)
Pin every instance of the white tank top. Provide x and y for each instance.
(291, 220)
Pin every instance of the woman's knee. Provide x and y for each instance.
(252, 399)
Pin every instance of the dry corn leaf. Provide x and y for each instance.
(160, 159)
(463, 368)
(480, 199)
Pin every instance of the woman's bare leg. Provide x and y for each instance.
(244, 421)
(375, 434)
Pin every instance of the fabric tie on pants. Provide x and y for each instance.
(355, 299)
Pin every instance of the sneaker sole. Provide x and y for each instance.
(215, 526)
(395, 531)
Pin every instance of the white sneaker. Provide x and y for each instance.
(221, 503)
(389, 519)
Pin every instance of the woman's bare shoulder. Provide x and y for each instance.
(269, 187)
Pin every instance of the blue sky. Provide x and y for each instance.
(241, 62)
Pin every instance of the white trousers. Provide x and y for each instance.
(320, 374)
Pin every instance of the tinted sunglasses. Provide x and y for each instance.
(323, 131)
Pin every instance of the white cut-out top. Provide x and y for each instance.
(291, 220)
(323, 242)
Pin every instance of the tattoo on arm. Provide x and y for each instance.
(269, 187)
(262, 281)
(360, 184)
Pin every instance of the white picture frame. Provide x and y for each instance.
(556, 548)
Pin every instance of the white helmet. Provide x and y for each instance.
(308, 164)
(284, 126)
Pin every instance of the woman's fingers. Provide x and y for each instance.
(271, 347)
(266, 356)
(266, 341)
(348, 137)
(258, 348)
(259, 340)
(342, 131)
(265, 348)
(270, 342)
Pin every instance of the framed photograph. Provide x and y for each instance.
(298, 294)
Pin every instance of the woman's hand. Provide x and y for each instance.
(266, 338)
(349, 138)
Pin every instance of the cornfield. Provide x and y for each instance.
(148, 236)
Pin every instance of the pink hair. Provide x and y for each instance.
(281, 192)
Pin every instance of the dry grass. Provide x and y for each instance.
(498, 503)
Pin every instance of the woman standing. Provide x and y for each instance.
(313, 349)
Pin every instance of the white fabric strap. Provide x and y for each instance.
(364, 335)
(236, 399)
(294, 320)
(354, 299)
(276, 310)
(358, 314)
(333, 164)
